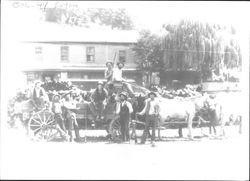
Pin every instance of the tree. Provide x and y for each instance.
(148, 54)
(200, 47)
(114, 18)
(84, 17)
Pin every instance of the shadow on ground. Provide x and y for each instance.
(95, 139)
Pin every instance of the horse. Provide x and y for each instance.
(223, 111)
(176, 113)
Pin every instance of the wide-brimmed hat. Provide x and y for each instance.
(37, 81)
(100, 83)
(125, 94)
(109, 62)
(120, 63)
(56, 95)
(153, 93)
(212, 96)
(68, 93)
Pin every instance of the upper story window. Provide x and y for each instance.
(38, 53)
(122, 55)
(64, 53)
(90, 53)
(38, 50)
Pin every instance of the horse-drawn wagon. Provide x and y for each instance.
(41, 124)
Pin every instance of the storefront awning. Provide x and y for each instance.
(30, 69)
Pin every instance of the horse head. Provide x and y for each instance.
(140, 101)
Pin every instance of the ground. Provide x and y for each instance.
(173, 158)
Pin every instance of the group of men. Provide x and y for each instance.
(124, 108)
(102, 94)
(99, 99)
(114, 73)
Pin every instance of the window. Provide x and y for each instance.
(90, 52)
(38, 53)
(38, 50)
(122, 56)
(64, 53)
(74, 75)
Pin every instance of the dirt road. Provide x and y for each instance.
(172, 158)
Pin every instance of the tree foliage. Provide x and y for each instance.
(148, 51)
(200, 47)
(149, 55)
(76, 16)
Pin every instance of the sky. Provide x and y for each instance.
(152, 15)
(145, 15)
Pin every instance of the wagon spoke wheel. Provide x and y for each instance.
(42, 126)
(115, 129)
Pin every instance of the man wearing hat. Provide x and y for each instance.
(124, 109)
(99, 97)
(39, 96)
(57, 110)
(151, 110)
(109, 71)
(117, 72)
(70, 117)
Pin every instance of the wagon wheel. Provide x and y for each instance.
(42, 126)
(115, 129)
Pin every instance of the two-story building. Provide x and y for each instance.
(77, 54)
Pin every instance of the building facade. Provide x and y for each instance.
(78, 56)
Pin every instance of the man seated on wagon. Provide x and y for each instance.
(39, 97)
(118, 82)
(117, 73)
(109, 71)
(98, 100)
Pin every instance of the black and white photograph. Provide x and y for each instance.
(122, 90)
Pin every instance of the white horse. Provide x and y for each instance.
(173, 111)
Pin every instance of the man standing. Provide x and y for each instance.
(124, 109)
(69, 104)
(151, 110)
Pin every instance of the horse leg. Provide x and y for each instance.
(180, 132)
(149, 135)
(210, 130)
(159, 134)
(214, 130)
(71, 127)
(190, 121)
(222, 131)
(77, 133)
(240, 124)
(134, 131)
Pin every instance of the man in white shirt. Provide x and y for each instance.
(117, 72)
(70, 116)
(124, 109)
(151, 110)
